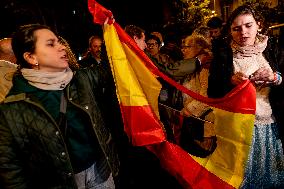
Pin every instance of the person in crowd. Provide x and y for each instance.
(203, 31)
(7, 67)
(159, 35)
(202, 133)
(216, 25)
(97, 59)
(53, 134)
(171, 38)
(185, 67)
(96, 53)
(138, 35)
(193, 46)
(6, 51)
(249, 55)
(153, 48)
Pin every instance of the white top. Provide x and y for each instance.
(247, 65)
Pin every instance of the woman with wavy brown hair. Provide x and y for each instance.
(249, 55)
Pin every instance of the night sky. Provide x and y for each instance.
(71, 19)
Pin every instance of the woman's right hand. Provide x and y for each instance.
(109, 20)
(205, 59)
(238, 78)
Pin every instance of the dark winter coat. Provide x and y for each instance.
(33, 152)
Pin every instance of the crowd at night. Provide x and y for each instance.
(128, 94)
(71, 18)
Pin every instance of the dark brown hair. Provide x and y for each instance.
(133, 30)
(245, 9)
(24, 40)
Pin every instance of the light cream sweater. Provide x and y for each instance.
(247, 60)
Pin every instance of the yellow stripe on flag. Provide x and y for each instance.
(137, 91)
(234, 133)
(134, 77)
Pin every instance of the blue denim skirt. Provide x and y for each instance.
(265, 166)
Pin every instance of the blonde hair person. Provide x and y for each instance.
(195, 45)
(196, 52)
(203, 139)
(192, 46)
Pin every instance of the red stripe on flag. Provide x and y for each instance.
(147, 128)
(180, 164)
(100, 12)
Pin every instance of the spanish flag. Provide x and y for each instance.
(138, 89)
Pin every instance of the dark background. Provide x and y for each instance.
(72, 20)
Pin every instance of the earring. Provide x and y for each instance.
(37, 65)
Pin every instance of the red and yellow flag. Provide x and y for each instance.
(138, 90)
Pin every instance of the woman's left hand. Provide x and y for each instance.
(262, 75)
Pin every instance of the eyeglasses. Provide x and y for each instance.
(152, 44)
(186, 46)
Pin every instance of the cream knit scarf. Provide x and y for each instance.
(248, 51)
(48, 80)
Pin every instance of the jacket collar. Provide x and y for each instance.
(17, 97)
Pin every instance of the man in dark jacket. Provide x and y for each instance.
(94, 55)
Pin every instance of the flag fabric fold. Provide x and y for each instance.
(138, 90)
